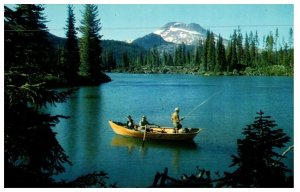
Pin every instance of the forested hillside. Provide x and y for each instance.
(240, 55)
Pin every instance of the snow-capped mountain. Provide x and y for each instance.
(177, 32)
(173, 34)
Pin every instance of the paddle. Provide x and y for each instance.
(144, 138)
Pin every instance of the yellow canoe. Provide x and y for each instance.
(155, 133)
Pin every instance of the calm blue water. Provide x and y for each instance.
(228, 105)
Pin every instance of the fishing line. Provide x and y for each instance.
(202, 103)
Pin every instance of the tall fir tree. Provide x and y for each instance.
(256, 43)
(269, 49)
(211, 52)
(199, 53)
(253, 49)
(125, 60)
(246, 56)
(291, 47)
(90, 45)
(233, 49)
(228, 57)
(220, 55)
(71, 52)
(276, 46)
(239, 45)
(205, 52)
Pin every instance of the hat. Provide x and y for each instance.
(177, 109)
(129, 116)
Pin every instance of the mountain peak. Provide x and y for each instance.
(178, 32)
(150, 40)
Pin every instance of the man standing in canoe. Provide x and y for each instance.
(176, 120)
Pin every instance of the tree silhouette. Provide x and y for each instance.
(72, 57)
(90, 44)
(26, 39)
(258, 161)
(32, 153)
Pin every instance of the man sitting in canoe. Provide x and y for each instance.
(130, 123)
(176, 120)
(143, 121)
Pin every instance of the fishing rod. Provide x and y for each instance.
(202, 103)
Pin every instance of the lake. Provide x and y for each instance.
(221, 105)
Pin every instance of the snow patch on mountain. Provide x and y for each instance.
(178, 33)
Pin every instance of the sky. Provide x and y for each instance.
(130, 21)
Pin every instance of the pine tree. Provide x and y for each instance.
(253, 49)
(234, 58)
(269, 48)
(258, 161)
(26, 39)
(211, 52)
(112, 60)
(232, 53)
(256, 43)
(125, 60)
(220, 56)
(178, 55)
(90, 45)
(188, 57)
(199, 53)
(239, 45)
(291, 48)
(291, 39)
(246, 57)
(286, 58)
(165, 58)
(72, 57)
(276, 46)
(156, 57)
(205, 52)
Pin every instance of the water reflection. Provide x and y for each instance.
(131, 143)
(81, 136)
(135, 144)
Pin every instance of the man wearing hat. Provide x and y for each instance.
(176, 120)
(143, 121)
(130, 123)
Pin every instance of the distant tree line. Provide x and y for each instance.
(114, 52)
(239, 55)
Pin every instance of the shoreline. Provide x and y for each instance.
(276, 70)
